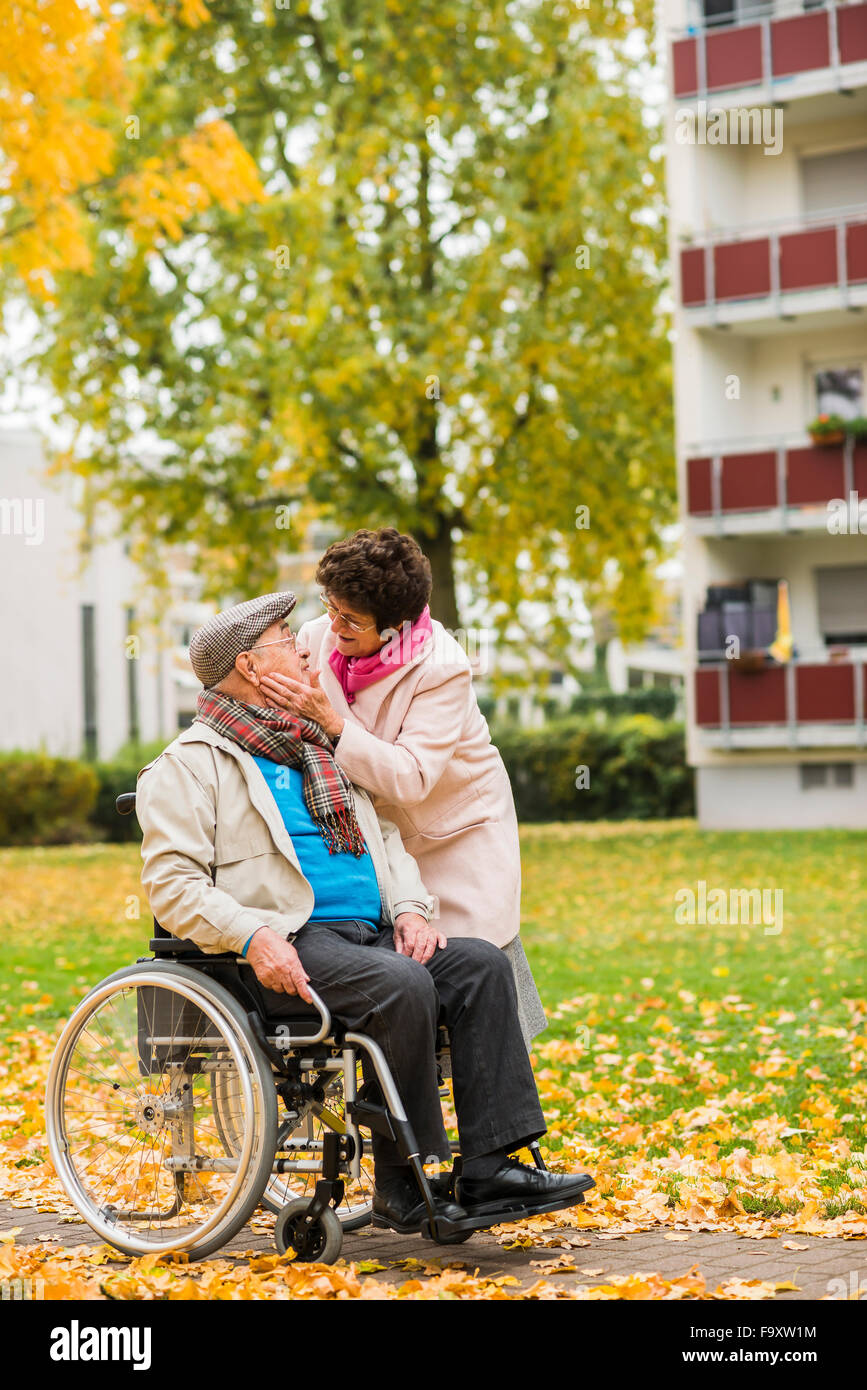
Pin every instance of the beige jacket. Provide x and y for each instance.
(218, 861)
(418, 742)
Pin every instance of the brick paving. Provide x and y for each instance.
(718, 1257)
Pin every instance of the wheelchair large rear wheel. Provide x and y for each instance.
(130, 1114)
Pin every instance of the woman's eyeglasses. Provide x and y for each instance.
(350, 622)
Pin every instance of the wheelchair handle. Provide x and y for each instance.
(125, 803)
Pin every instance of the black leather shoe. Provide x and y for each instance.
(399, 1207)
(516, 1186)
(442, 1187)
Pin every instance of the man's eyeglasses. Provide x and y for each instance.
(350, 622)
(292, 638)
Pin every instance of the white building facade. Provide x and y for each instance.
(767, 184)
(84, 672)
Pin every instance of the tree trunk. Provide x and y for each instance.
(439, 549)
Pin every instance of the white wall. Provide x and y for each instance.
(774, 380)
(728, 186)
(42, 590)
(769, 797)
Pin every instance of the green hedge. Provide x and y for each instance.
(660, 701)
(116, 777)
(637, 770)
(44, 800)
(636, 765)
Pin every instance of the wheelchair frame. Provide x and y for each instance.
(270, 1056)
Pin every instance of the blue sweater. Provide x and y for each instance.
(343, 886)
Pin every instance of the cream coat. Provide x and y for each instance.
(218, 860)
(418, 742)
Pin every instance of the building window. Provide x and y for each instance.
(717, 12)
(132, 705)
(88, 668)
(814, 775)
(839, 391)
(834, 180)
(842, 595)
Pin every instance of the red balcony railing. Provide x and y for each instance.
(768, 49)
(822, 251)
(802, 693)
(726, 481)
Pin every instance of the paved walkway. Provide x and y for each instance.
(596, 1257)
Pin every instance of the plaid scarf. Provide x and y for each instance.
(299, 743)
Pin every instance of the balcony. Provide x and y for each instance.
(792, 52)
(814, 264)
(804, 704)
(775, 486)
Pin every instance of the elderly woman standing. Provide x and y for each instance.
(393, 690)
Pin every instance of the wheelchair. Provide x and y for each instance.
(176, 1105)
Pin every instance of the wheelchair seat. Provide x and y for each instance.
(277, 1008)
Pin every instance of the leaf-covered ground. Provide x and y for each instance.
(711, 1077)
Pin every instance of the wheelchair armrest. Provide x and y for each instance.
(288, 1039)
(174, 946)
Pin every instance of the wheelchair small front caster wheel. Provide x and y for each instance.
(316, 1241)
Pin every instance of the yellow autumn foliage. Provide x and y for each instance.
(67, 90)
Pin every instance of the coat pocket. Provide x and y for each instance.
(232, 847)
(461, 812)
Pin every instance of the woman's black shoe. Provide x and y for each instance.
(516, 1186)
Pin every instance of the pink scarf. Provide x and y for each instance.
(356, 672)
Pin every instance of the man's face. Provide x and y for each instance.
(275, 651)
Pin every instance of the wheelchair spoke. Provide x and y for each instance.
(105, 1080)
(111, 1040)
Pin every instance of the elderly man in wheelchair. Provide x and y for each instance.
(294, 944)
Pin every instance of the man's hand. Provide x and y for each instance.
(277, 964)
(416, 938)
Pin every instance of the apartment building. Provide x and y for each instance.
(767, 184)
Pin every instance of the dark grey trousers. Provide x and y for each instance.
(470, 987)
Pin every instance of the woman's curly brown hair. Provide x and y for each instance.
(379, 572)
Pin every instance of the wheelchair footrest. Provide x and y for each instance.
(514, 1211)
(374, 1117)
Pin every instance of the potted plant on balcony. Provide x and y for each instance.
(827, 429)
(857, 429)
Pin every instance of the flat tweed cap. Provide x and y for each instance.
(216, 644)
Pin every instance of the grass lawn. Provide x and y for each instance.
(706, 1074)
